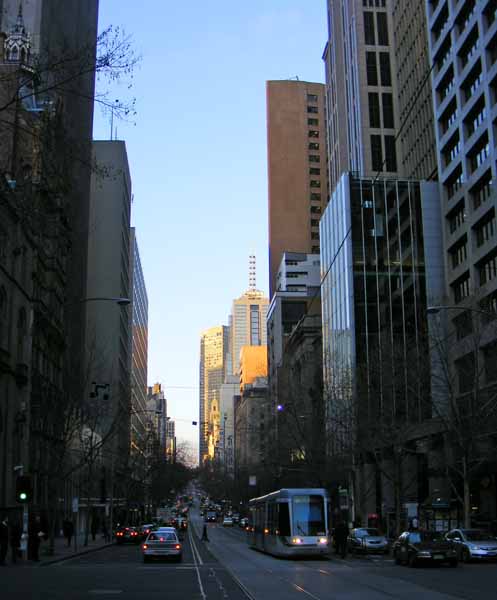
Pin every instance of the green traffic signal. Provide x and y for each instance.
(23, 496)
(23, 489)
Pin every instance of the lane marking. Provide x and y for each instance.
(301, 589)
(194, 549)
(202, 593)
(101, 592)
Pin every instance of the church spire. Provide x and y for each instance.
(19, 28)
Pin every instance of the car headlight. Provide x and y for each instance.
(296, 541)
(474, 547)
(323, 541)
(423, 553)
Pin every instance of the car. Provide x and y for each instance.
(211, 516)
(162, 543)
(367, 540)
(416, 547)
(145, 529)
(235, 517)
(473, 544)
(243, 523)
(228, 522)
(127, 535)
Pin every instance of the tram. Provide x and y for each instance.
(291, 522)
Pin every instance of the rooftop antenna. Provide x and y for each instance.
(252, 274)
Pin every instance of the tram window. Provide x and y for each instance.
(308, 515)
(284, 519)
(271, 517)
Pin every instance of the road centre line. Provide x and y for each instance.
(194, 548)
(202, 592)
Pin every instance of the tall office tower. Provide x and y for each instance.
(247, 320)
(108, 329)
(381, 249)
(412, 71)
(157, 417)
(214, 348)
(297, 181)
(171, 441)
(361, 89)
(463, 47)
(139, 350)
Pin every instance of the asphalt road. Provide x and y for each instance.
(355, 578)
(119, 572)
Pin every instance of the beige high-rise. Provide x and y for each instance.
(297, 182)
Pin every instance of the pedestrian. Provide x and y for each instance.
(94, 528)
(15, 540)
(4, 539)
(204, 534)
(341, 535)
(35, 536)
(68, 531)
(105, 532)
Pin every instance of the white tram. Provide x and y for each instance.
(291, 522)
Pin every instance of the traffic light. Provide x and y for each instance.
(24, 489)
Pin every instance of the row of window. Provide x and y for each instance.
(374, 3)
(374, 110)
(375, 35)
(372, 68)
(377, 161)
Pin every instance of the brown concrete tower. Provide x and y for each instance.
(298, 189)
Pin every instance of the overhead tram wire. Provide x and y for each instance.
(396, 137)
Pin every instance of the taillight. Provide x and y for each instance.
(161, 539)
(144, 546)
(178, 546)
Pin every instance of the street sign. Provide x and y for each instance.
(75, 504)
(252, 480)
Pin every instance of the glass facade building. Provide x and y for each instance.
(377, 278)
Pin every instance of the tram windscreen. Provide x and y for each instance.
(308, 515)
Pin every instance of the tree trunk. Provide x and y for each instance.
(467, 496)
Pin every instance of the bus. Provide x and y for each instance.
(291, 522)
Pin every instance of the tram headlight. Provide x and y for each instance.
(296, 541)
(323, 541)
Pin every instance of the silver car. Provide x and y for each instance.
(367, 540)
(162, 543)
(473, 544)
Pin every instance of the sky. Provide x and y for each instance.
(198, 161)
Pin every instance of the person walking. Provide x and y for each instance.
(68, 531)
(341, 535)
(34, 539)
(15, 541)
(105, 532)
(4, 539)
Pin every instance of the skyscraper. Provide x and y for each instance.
(214, 350)
(139, 350)
(248, 320)
(297, 182)
(361, 89)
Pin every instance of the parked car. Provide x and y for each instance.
(474, 544)
(367, 539)
(415, 547)
(228, 522)
(243, 523)
(127, 535)
(235, 517)
(162, 543)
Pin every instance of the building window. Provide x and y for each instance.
(381, 20)
(472, 82)
(369, 37)
(387, 101)
(470, 47)
(315, 158)
(313, 133)
(312, 98)
(449, 116)
(482, 190)
(314, 235)
(371, 72)
(466, 374)
(460, 288)
(313, 122)
(490, 13)
(463, 325)
(487, 269)
(376, 153)
(315, 183)
(459, 253)
(451, 149)
(374, 109)
(485, 228)
(315, 197)
(385, 73)
(312, 109)
(314, 171)
(390, 153)
(313, 145)
(456, 217)
(314, 223)
(316, 210)
(476, 117)
(446, 85)
(480, 154)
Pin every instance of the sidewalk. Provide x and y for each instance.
(62, 552)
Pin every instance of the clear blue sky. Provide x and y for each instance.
(197, 157)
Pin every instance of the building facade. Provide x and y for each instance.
(297, 182)
(230, 391)
(382, 267)
(139, 351)
(214, 351)
(361, 89)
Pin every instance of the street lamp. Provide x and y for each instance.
(434, 310)
(118, 300)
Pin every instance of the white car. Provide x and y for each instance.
(473, 544)
(162, 543)
(227, 522)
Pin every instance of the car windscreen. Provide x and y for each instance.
(366, 532)
(162, 537)
(418, 537)
(308, 515)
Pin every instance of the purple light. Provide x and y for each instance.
(279, 407)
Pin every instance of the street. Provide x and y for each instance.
(227, 569)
